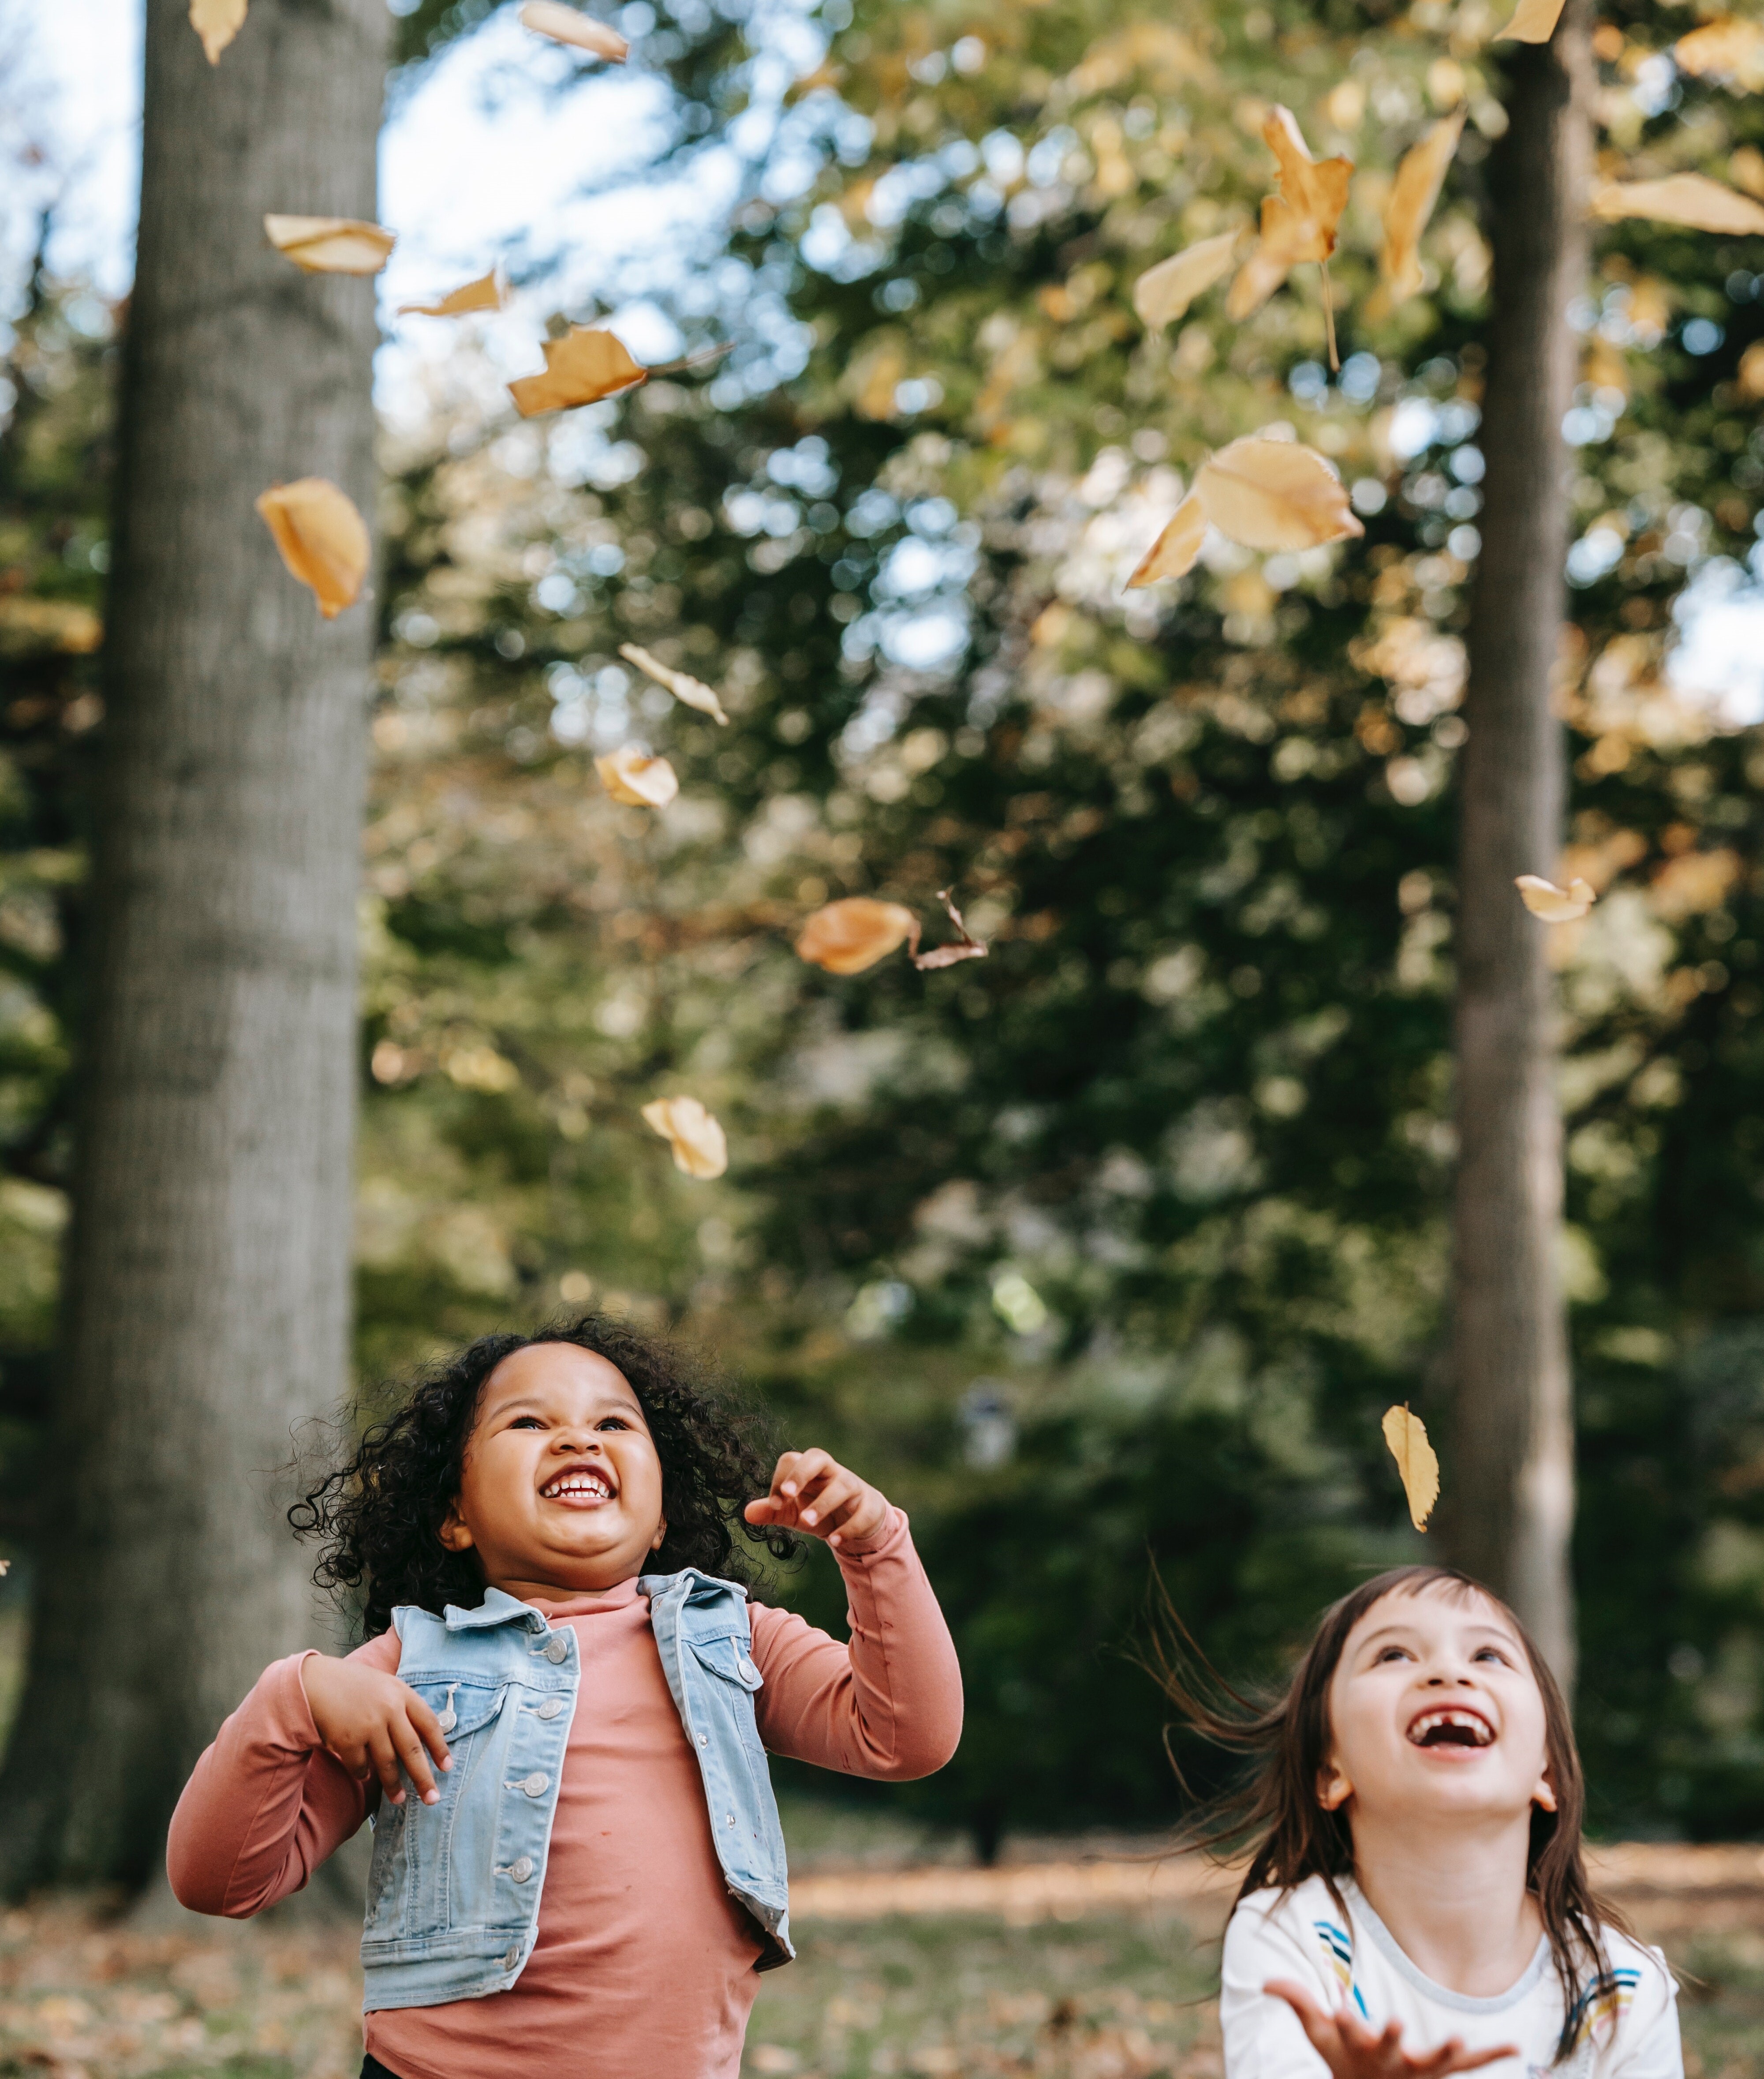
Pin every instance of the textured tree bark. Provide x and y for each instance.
(1510, 1473)
(208, 1302)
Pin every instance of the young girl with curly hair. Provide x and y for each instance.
(1417, 1902)
(559, 1719)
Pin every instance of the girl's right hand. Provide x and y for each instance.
(1353, 2050)
(372, 1723)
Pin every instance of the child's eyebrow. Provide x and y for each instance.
(534, 1407)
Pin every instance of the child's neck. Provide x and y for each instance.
(1455, 1898)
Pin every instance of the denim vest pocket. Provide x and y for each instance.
(429, 1858)
(728, 1658)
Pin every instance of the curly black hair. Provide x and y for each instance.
(379, 1512)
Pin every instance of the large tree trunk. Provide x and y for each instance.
(207, 1305)
(1510, 1475)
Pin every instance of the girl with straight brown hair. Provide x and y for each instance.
(1417, 1901)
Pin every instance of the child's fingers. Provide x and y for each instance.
(408, 1744)
(1467, 2061)
(384, 1759)
(1321, 2029)
(832, 1499)
(801, 1475)
(428, 1727)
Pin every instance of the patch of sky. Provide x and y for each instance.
(1717, 658)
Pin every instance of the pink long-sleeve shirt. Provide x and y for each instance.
(643, 1964)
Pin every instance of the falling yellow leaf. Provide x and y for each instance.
(1174, 552)
(1691, 199)
(699, 1146)
(1413, 194)
(565, 25)
(690, 691)
(322, 537)
(1163, 292)
(582, 366)
(1732, 48)
(331, 244)
(1254, 282)
(489, 292)
(1407, 1437)
(1274, 495)
(1751, 370)
(1298, 225)
(1554, 905)
(632, 777)
(217, 23)
(1534, 22)
(846, 937)
(965, 947)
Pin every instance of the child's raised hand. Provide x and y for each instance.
(372, 1722)
(1353, 2050)
(811, 1491)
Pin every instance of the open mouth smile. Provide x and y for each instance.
(1451, 1725)
(579, 1486)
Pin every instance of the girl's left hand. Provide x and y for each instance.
(811, 1491)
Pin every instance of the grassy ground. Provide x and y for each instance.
(1117, 1994)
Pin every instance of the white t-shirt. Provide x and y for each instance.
(1302, 1934)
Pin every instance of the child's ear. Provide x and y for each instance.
(454, 1533)
(660, 1538)
(1333, 1787)
(1544, 1791)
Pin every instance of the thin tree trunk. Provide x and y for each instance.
(1512, 1472)
(208, 1274)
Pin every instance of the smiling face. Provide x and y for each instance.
(1434, 1712)
(561, 1492)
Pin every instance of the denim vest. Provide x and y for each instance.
(453, 1891)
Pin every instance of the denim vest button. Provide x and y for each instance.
(557, 1649)
(535, 1785)
(550, 1708)
(521, 1868)
(511, 1959)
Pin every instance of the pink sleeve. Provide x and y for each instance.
(266, 1804)
(887, 1706)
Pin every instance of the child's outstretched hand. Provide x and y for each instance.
(372, 1723)
(1353, 2050)
(811, 1491)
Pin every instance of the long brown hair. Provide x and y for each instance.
(1276, 1813)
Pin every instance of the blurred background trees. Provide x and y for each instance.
(1107, 1250)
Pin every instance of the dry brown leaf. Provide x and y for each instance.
(217, 23)
(1691, 199)
(1406, 1434)
(1413, 194)
(1255, 281)
(690, 691)
(331, 244)
(1176, 549)
(322, 537)
(489, 292)
(582, 366)
(1732, 48)
(1534, 22)
(1274, 495)
(565, 25)
(1554, 905)
(1163, 292)
(967, 947)
(699, 1146)
(1297, 224)
(632, 777)
(846, 937)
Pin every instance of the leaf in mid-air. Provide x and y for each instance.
(217, 23)
(1271, 494)
(1533, 21)
(690, 691)
(846, 937)
(1413, 194)
(331, 244)
(1406, 1434)
(1731, 47)
(1691, 199)
(489, 292)
(632, 777)
(1554, 905)
(1176, 549)
(965, 947)
(322, 537)
(1163, 292)
(701, 1149)
(567, 25)
(584, 365)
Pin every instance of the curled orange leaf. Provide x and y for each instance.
(1176, 549)
(1554, 905)
(1691, 199)
(846, 937)
(632, 777)
(1418, 1468)
(1533, 21)
(965, 947)
(1274, 495)
(700, 1148)
(331, 244)
(567, 25)
(582, 366)
(1163, 292)
(1413, 194)
(690, 691)
(489, 292)
(217, 23)
(322, 537)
